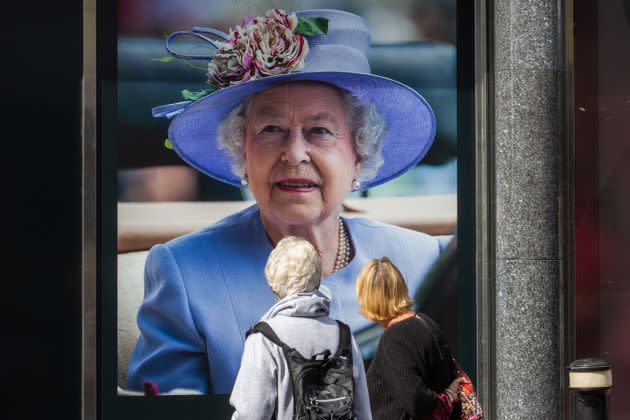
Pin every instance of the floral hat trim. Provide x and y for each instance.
(261, 46)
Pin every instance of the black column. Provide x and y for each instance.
(41, 203)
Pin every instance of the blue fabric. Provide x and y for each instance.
(444, 241)
(204, 290)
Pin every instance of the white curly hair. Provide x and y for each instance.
(293, 266)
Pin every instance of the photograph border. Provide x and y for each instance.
(89, 307)
(99, 185)
(484, 174)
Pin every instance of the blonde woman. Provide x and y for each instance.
(410, 376)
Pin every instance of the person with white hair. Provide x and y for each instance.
(300, 319)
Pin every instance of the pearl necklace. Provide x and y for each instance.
(343, 253)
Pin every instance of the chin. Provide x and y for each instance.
(296, 214)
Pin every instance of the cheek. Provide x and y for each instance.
(259, 163)
(260, 151)
(254, 156)
(346, 162)
(339, 171)
(252, 166)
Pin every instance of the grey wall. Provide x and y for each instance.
(528, 137)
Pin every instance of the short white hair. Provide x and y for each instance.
(293, 266)
(367, 126)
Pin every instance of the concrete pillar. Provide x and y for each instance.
(529, 132)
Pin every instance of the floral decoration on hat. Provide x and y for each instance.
(261, 46)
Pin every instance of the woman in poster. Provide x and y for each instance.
(293, 113)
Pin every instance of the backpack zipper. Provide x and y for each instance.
(330, 399)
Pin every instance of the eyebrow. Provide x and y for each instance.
(273, 112)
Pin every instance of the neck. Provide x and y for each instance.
(399, 318)
(324, 235)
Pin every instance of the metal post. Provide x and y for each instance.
(590, 380)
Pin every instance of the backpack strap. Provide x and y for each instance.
(345, 339)
(264, 328)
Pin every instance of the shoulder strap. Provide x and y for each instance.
(345, 339)
(264, 328)
(435, 340)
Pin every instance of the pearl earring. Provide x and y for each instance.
(244, 182)
(356, 185)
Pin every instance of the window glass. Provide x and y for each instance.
(160, 197)
(602, 196)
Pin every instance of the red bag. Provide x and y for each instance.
(471, 408)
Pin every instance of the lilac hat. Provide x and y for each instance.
(309, 51)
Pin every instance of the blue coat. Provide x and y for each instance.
(204, 290)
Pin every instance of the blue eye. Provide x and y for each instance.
(271, 129)
(320, 131)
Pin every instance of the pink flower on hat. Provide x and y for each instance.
(261, 46)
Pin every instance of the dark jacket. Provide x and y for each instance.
(411, 365)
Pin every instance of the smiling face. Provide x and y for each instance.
(299, 153)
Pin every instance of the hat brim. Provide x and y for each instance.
(410, 121)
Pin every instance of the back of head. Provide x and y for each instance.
(293, 266)
(382, 290)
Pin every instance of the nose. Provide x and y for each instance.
(297, 148)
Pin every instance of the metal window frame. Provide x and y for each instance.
(89, 349)
(484, 204)
(567, 183)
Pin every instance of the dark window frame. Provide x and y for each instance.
(99, 399)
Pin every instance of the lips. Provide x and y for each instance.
(296, 185)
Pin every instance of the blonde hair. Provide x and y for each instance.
(293, 267)
(382, 290)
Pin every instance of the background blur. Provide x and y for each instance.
(413, 42)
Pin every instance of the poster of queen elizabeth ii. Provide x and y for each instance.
(293, 114)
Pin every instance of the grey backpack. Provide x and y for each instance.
(323, 386)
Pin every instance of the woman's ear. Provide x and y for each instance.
(244, 146)
(357, 166)
(244, 152)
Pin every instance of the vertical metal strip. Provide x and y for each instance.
(484, 203)
(567, 183)
(89, 216)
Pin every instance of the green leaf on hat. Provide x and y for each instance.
(312, 26)
(212, 87)
(168, 144)
(166, 59)
(193, 96)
